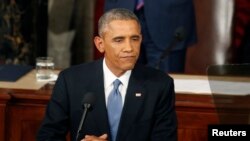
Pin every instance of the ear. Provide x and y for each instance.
(99, 44)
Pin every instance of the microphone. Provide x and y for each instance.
(87, 102)
(179, 35)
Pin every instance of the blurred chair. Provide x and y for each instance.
(214, 26)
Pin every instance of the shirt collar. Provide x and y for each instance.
(109, 77)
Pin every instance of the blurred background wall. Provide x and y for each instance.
(64, 29)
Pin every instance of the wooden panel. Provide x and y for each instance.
(29, 129)
(194, 113)
(24, 121)
(193, 125)
(25, 111)
(192, 135)
(3, 101)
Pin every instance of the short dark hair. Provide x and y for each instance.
(115, 14)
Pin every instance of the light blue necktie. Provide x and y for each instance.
(114, 107)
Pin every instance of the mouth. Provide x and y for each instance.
(128, 58)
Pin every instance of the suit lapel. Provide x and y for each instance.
(99, 108)
(133, 102)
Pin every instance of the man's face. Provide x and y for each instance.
(121, 45)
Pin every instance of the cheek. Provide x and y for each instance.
(137, 46)
(115, 49)
(112, 52)
(137, 49)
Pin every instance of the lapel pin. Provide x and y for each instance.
(138, 94)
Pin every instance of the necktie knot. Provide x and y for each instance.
(116, 84)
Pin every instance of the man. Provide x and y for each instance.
(145, 111)
(164, 23)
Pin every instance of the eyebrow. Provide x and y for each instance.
(122, 37)
(118, 37)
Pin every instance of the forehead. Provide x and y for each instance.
(117, 21)
(123, 26)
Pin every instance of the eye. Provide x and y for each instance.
(118, 40)
(135, 38)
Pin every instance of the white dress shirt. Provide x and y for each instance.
(109, 78)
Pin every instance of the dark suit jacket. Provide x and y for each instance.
(163, 17)
(149, 117)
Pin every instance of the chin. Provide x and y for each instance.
(128, 67)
